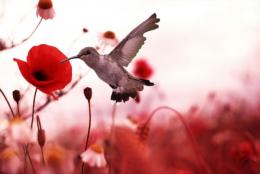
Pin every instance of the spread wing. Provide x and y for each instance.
(126, 50)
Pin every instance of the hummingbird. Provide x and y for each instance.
(110, 67)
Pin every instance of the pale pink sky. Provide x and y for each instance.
(200, 46)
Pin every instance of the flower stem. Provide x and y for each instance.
(113, 119)
(18, 109)
(87, 140)
(43, 159)
(25, 161)
(29, 157)
(27, 38)
(34, 30)
(196, 149)
(112, 134)
(2, 92)
(33, 106)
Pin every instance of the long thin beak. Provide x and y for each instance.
(65, 60)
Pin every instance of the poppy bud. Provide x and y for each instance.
(16, 96)
(88, 93)
(85, 30)
(45, 4)
(109, 35)
(41, 137)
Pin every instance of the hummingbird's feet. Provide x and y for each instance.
(119, 97)
(112, 86)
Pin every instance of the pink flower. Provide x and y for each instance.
(45, 9)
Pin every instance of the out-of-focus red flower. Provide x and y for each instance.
(45, 9)
(241, 151)
(142, 69)
(108, 38)
(184, 171)
(44, 70)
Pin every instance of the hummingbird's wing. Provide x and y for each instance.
(126, 50)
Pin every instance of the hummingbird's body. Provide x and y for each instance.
(109, 68)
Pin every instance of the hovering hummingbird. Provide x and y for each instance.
(110, 67)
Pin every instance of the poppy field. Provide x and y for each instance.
(136, 133)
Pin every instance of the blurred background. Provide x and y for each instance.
(202, 48)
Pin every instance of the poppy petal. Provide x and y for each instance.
(44, 70)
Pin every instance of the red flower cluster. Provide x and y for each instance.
(44, 70)
(142, 69)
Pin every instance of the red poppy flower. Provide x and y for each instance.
(142, 69)
(44, 70)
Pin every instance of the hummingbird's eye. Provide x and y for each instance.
(88, 52)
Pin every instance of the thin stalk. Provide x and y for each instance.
(18, 109)
(87, 140)
(196, 149)
(34, 97)
(25, 161)
(43, 159)
(8, 103)
(30, 159)
(28, 37)
(34, 30)
(113, 119)
(112, 133)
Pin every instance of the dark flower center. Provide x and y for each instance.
(40, 76)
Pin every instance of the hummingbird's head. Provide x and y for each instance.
(88, 54)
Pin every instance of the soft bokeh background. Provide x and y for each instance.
(201, 46)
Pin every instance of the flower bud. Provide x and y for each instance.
(85, 30)
(109, 35)
(41, 137)
(45, 4)
(16, 96)
(88, 93)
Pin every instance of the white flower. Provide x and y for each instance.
(94, 156)
(11, 162)
(3, 125)
(19, 131)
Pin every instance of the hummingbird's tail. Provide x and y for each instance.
(147, 82)
(123, 93)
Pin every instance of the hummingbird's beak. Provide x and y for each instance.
(65, 60)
